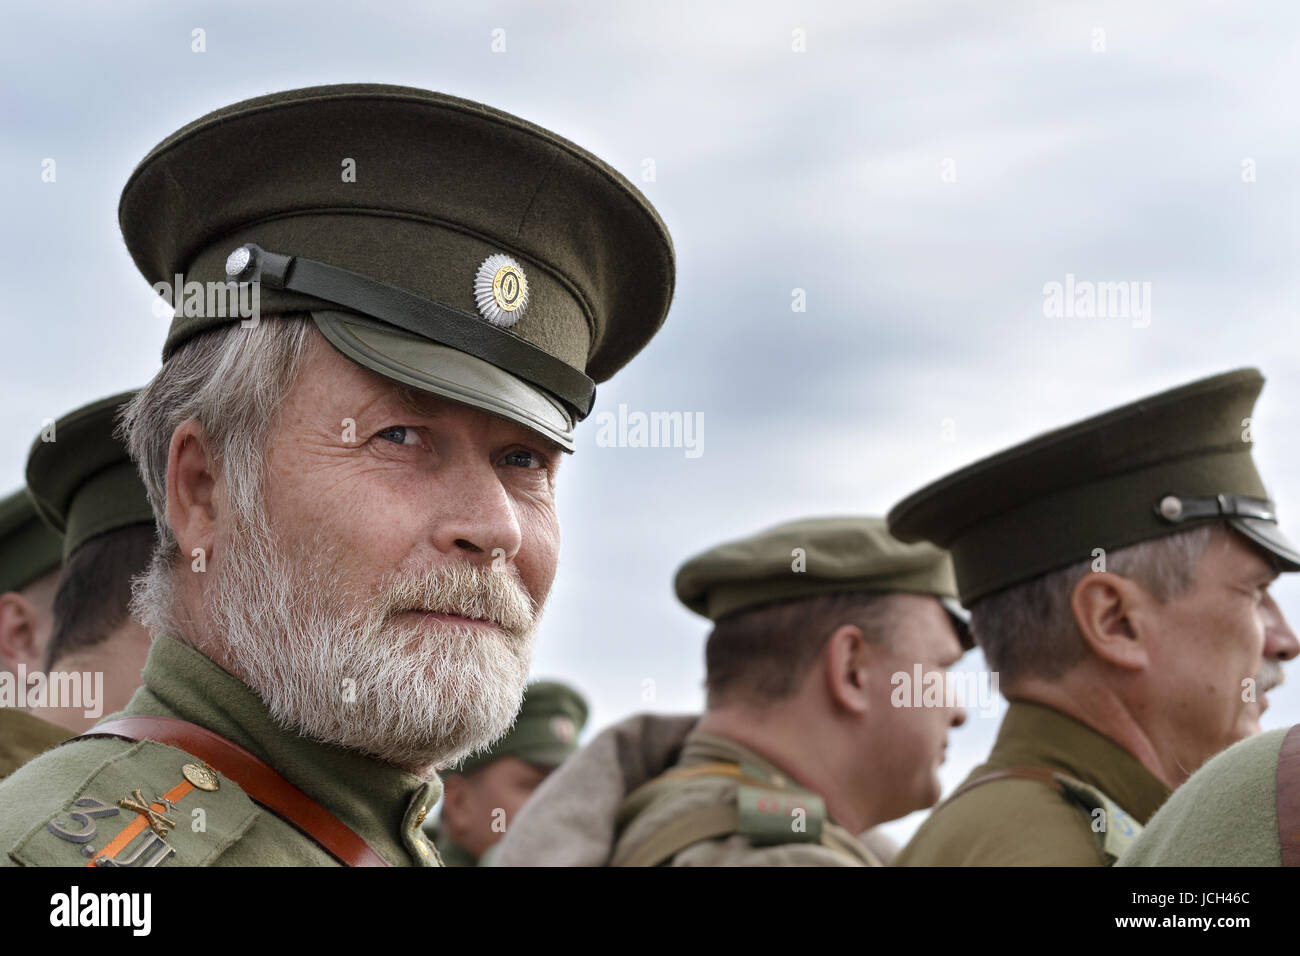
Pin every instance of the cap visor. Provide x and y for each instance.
(445, 371)
(960, 620)
(547, 757)
(1269, 536)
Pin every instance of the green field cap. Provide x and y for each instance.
(1155, 467)
(813, 557)
(28, 548)
(441, 243)
(84, 483)
(544, 734)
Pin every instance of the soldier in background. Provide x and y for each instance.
(804, 742)
(484, 794)
(87, 489)
(30, 554)
(1117, 573)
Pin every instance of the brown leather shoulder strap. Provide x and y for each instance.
(255, 776)
(1041, 774)
(1288, 797)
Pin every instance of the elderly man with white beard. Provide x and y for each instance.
(355, 483)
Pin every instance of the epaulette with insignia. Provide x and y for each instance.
(770, 817)
(1114, 828)
(151, 804)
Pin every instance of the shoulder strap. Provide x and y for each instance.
(748, 812)
(1288, 797)
(705, 823)
(255, 776)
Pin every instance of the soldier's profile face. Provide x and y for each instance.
(493, 797)
(911, 741)
(1218, 649)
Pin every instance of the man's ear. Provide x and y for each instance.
(454, 795)
(20, 626)
(845, 660)
(191, 489)
(1110, 612)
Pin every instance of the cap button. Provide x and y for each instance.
(1171, 508)
(238, 261)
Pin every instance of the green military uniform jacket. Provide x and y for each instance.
(1224, 815)
(765, 802)
(63, 808)
(1018, 822)
(23, 737)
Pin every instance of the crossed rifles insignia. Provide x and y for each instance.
(158, 823)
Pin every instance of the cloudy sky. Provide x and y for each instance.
(920, 170)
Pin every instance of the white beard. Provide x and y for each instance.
(351, 672)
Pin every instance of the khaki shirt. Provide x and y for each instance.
(23, 737)
(1016, 822)
(62, 808)
(836, 846)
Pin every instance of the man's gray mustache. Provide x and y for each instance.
(1270, 675)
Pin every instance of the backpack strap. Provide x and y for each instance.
(1288, 797)
(765, 813)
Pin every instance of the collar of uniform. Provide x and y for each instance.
(701, 748)
(24, 736)
(1035, 734)
(382, 803)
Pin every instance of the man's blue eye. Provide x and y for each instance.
(397, 434)
(521, 459)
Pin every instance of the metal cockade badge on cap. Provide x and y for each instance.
(501, 290)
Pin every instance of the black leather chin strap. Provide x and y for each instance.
(420, 316)
(1175, 509)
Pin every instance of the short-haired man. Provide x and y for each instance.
(30, 555)
(484, 793)
(87, 489)
(802, 745)
(355, 481)
(1117, 574)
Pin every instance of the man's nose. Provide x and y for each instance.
(475, 516)
(1280, 641)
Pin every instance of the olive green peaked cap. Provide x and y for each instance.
(812, 557)
(442, 243)
(84, 483)
(546, 731)
(1154, 467)
(28, 548)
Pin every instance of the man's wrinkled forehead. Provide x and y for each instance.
(1230, 555)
